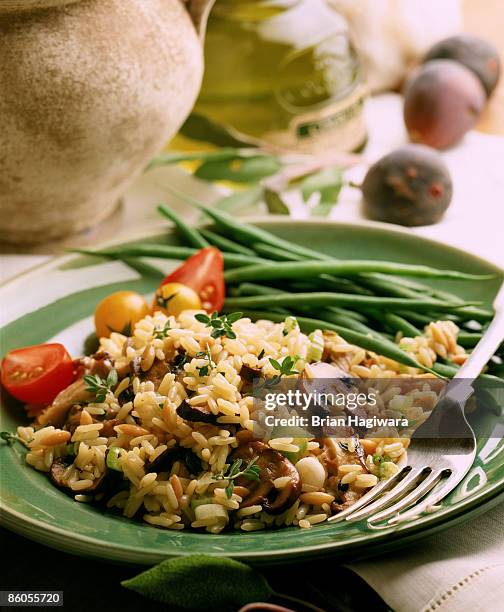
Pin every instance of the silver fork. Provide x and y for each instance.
(436, 462)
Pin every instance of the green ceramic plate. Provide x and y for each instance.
(56, 302)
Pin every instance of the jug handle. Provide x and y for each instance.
(199, 10)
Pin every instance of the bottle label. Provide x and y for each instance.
(338, 126)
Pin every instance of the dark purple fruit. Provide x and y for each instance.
(442, 101)
(410, 186)
(480, 56)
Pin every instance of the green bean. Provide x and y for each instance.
(143, 268)
(310, 269)
(165, 251)
(468, 340)
(338, 283)
(381, 347)
(245, 233)
(337, 299)
(272, 252)
(416, 317)
(406, 285)
(190, 235)
(449, 370)
(329, 282)
(398, 324)
(385, 287)
(328, 314)
(225, 244)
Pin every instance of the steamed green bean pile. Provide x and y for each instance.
(366, 302)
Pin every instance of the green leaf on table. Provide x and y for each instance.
(327, 182)
(274, 202)
(240, 200)
(242, 169)
(201, 582)
(176, 157)
(199, 127)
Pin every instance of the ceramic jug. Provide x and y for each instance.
(90, 90)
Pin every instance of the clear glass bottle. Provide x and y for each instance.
(284, 72)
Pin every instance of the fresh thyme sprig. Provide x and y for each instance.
(251, 472)
(284, 369)
(160, 333)
(10, 438)
(210, 365)
(101, 386)
(221, 326)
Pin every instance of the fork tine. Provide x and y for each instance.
(417, 493)
(431, 500)
(372, 494)
(399, 490)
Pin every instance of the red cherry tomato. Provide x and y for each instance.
(36, 374)
(203, 272)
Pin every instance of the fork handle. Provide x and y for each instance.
(488, 344)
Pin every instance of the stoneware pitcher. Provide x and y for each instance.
(90, 90)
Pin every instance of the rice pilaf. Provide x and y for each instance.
(169, 363)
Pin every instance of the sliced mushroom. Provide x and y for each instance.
(273, 465)
(198, 414)
(57, 471)
(56, 413)
(249, 374)
(346, 498)
(154, 374)
(165, 461)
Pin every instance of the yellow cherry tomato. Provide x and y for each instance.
(174, 298)
(119, 312)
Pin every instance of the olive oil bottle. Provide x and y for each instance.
(283, 72)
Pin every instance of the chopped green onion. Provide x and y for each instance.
(294, 457)
(113, 458)
(316, 348)
(201, 501)
(290, 324)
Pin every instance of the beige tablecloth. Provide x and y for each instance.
(459, 569)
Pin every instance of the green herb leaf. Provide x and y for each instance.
(328, 183)
(232, 472)
(285, 368)
(210, 365)
(99, 386)
(201, 582)
(199, 127)
(275, 203)
(233, 317)
(161, 333)
(175, 157)
(221, 325)
(240, 170)
(202, 318)
(10, 438)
